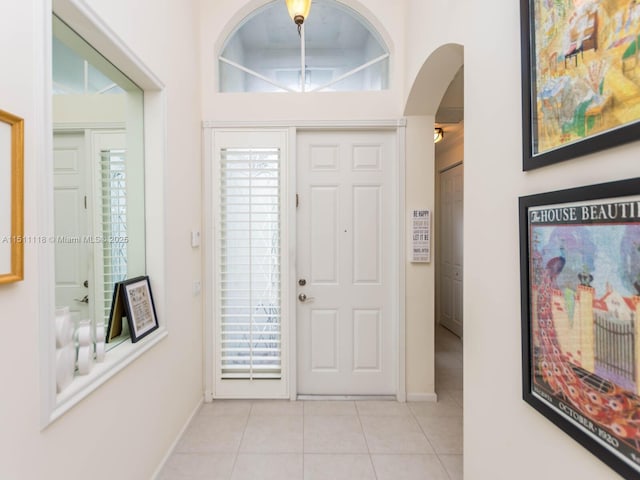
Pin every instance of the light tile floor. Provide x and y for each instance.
(330, 440)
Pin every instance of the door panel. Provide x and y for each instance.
(367, 232)
(367, 339)
(324, 348)
(346, 328)
(323, 234)
(70, 219)
(451, 248)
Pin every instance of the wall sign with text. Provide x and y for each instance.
(421, 236)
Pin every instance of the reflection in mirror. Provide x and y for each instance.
(98, 177)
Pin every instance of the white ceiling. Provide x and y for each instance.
(451, 109)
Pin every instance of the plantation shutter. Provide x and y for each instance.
(250, 264)
(114, 222)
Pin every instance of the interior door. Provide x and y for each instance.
(451, 261)
(345, 316)
(72, 255)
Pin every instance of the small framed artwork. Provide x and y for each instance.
(139, 306)
(580, 293)
(580, 77)
(11, 197)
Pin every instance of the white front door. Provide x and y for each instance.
(451, 208)
(72, 254)
(346, 268)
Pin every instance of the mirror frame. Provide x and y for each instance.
(15, 155)
(81, 18)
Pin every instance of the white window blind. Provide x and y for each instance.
(250, 264)
(114, 222)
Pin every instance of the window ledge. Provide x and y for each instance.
(115, 360)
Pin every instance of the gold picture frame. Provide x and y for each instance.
(11, 198)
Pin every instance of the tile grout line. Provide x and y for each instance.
(444, 467)
(422, 430)
(437, 455)
(373, 466)
(235, 460)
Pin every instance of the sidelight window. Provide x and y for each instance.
(250, 309)
(251, 266)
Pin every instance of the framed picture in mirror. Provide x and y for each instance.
(140, 310)
(11, 197)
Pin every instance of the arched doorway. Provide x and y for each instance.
(438, 96)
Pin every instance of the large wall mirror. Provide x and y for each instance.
(98, 178)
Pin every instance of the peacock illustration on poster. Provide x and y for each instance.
(585, 307)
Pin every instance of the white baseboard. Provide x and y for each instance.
(422, 397)
(345, 397)
(175, 442)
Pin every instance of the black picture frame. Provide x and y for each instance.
(139, 306)
(574, 372)
(116, 312)
(571, 105)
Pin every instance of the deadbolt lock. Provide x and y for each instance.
(302, 282)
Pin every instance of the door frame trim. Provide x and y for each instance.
(399, 239)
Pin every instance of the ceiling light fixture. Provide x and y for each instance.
(299, 11)
(438, 134)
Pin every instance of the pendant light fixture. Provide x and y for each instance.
(299, 11)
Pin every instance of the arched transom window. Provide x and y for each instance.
(337, 50)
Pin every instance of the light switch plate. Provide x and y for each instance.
(195, 238)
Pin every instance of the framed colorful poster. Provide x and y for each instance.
(580, 280)
(580, 77)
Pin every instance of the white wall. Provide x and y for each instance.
(504, 437)
(430, 26)
(126, 426)
(19, 407)
(420, 286)
(89, 109)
